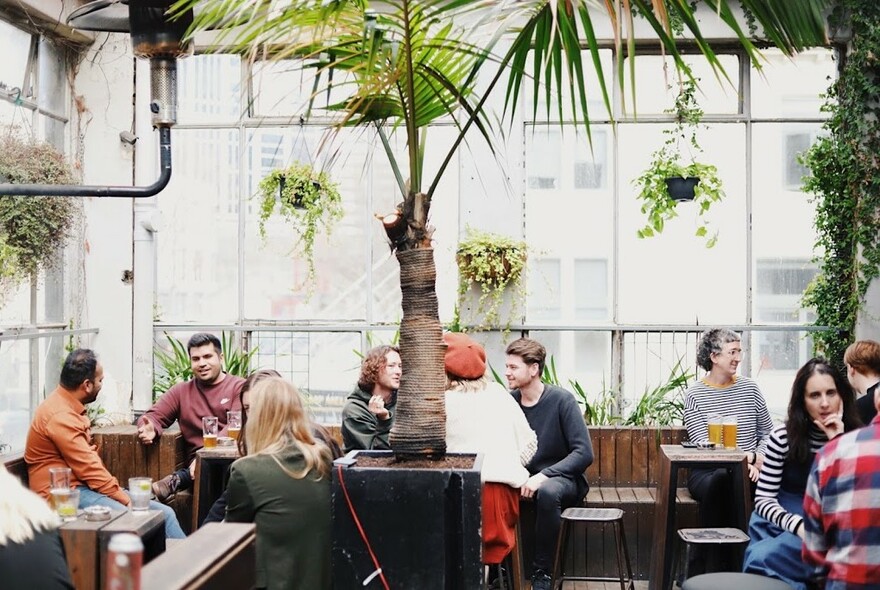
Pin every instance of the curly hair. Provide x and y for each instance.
(374, 362)
(713, 341)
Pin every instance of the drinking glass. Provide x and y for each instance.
(209, 431)
(59, 478)
(66, 502)
(140, 490)
(729, 435)
(233, 423)
(714, 421)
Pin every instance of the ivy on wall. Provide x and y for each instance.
(845, 184)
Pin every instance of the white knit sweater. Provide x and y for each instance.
(491, 422)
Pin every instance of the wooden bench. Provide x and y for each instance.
(124, 457)
(218, 555)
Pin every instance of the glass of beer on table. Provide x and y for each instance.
(233, 423)
(714, 421)
(729, 434)
(209, 431)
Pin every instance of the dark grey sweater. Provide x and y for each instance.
(564, 447)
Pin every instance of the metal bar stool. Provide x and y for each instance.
(706, 537)
(575, 516)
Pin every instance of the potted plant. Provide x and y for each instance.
(672, 178)
(304, 196)
(32, 229)
(492, 263)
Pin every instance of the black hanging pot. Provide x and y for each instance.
(298, 196)
(682, 189)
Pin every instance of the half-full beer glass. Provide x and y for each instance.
(209, 431)
(233, 423)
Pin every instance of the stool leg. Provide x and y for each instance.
(516, 561)
(561, 543)
(629, 569)
(616, 527)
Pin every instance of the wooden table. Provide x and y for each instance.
(209, 479)
(673, 458)
(85, 542)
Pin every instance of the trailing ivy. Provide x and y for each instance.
(845, 185)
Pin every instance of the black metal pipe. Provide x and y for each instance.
(79, 190)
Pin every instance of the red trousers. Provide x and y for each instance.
(500, 515)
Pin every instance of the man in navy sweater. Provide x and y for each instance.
(564, 452)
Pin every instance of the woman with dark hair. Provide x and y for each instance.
(822, 406)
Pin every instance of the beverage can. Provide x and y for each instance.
(125, 556)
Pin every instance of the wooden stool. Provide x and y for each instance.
(574, 516)
(733, 581)
(706, 537)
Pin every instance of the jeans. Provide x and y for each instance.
(89, 497)
(555, 495)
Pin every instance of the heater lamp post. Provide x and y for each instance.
(154, 36)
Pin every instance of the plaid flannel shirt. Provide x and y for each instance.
(842, 511)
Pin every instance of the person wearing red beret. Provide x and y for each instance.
(482, 417)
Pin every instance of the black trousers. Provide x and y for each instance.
(555, 495)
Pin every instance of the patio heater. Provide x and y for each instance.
(155, 36)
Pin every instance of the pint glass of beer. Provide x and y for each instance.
(209, 431)
(233, 423)
(714, 421)
(729, 434)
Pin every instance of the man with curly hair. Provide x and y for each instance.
(369, 411)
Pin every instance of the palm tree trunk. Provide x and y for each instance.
(420, 424)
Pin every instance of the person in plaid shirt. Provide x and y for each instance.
(842, 510)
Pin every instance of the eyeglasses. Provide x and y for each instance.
(731, 353)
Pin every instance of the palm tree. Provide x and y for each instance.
(411, 63)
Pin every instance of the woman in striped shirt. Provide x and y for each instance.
(724, 392)
(822, 406)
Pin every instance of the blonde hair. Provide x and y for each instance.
(22, 512)
(277, 420)
(466, 385)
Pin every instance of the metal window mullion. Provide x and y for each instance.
(745, 73)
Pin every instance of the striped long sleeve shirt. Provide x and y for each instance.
(767, 495)
(743, 399)
(841, 532)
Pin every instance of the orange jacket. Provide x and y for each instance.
(61, 436)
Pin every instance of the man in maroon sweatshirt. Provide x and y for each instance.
(210, 392)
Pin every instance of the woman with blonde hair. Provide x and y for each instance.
(283, 486)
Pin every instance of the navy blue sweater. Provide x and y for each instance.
(564, 447)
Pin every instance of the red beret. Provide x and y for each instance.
(465, 358)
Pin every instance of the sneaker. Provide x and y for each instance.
(166, 487)
(540, 580)
(494, 580)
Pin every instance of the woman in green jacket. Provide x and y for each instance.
(283, 486)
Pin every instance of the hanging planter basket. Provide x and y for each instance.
(298, 200)
(682, 189)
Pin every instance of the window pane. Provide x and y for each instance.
(657, 85)
(669, 270)
(52, 88)
(545, 282)
(198, 250)
(595, 103)
(284, 88)
(792, 86)
(209, 88)
(277, 286)
(15, 46)
(591, 289)
(544, 148)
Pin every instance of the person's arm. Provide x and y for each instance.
(767, 494)
(574, 429)
(763, 425)
(165, 411)
(240, 504)
(815, 548)
(359, 428)
(69, 434)
(218, 509)
(695, 420)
